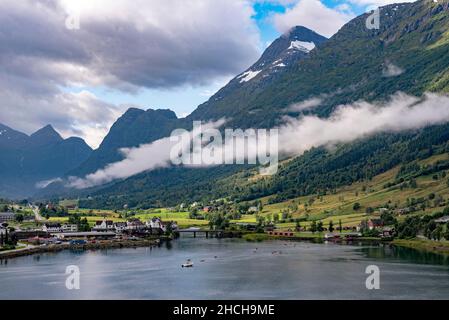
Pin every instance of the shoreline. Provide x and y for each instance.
(441, 248)
(88, 246)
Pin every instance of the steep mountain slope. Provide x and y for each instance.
(10, 138)
(27, 160)
(278, 59)
(356, 64)
(133, 128)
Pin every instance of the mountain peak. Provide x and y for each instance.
(283, 52)
(45, 135)
(300, 33)
(166, 113)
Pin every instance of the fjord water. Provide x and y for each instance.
(229, 269)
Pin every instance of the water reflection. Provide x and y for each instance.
(230, 269)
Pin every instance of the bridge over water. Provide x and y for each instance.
(195, 231)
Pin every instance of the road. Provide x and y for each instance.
(37, 215)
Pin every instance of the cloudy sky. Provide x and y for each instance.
(78, 65)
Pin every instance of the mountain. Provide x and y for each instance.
(351, 66)
(27, 160)
(409, 53)
(10, 138)
(278, 59)
(45, 136)
(133, 128)
(137, 126)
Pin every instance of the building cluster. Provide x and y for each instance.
(376, 225)
(132, 226)
(7, 216)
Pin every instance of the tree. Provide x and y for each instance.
(356, 206)
(319, 226)
(19, 218)
(331, 226)
(436, 234)
(218, 221)
(340, 227)
(388, 219)
(313, 226)
(446, 233)
(431, 226)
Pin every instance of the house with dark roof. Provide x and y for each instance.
(135, 225)
(375, 223)
(104, 225)
(7, 216)
(52, 227)
(120, 227)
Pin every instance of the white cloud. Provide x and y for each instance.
(392, 70)
(143, 158)
(314, 15)
(306, 104)
(377, 3)
(361, 119)
(79, 114)
(297, 135)
(121, 45)
(46, 183)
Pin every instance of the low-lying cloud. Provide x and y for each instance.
(348, 123)
(306, 104)
(392, 70)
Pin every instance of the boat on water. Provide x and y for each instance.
(187, 264)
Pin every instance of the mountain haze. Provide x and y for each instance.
(26, 160)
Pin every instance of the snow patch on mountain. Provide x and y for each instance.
(248, 75)
(302, 46)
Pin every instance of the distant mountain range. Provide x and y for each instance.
(409, 53)
(26, 160)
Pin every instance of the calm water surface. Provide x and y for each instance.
(229, 269)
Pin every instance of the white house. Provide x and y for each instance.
(52, 227)
(104, 225)
(253, 209)
(158, 224)
(155, 223)
(69, 228)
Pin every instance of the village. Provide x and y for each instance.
(25, 227)
(52, 236)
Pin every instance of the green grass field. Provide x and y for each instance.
(182, 218)
(339, 206)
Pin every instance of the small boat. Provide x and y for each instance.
(188, 264)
